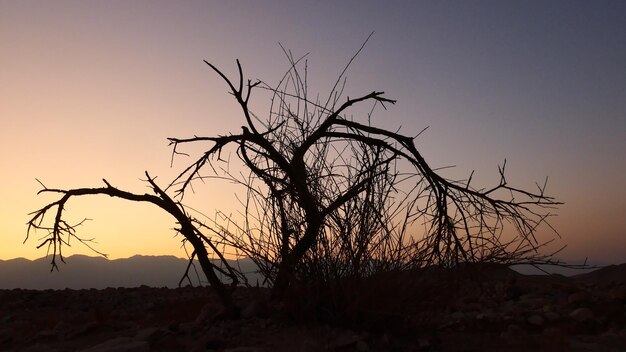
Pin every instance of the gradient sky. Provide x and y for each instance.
(91, 89)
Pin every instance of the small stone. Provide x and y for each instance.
(49, 335)
(424, 344)
(309, 346)
(514, 329)
(486, 315)
(349, 341)
(362, 346)
(551, 332)
(582, 345)
(37, 348)
(578, 297)
(619, 293)
(256, 308)
(149, 334)
(552, 315)
(120, 344)
(457, 316)
(581, 314)
(206, 312)
(536, 320)
(6, 335)
(7, 319)
(609, 309)
(532, 299)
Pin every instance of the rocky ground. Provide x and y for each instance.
(490, 308)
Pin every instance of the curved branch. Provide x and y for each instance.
(60, 228)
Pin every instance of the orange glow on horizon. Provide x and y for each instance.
(91, 90)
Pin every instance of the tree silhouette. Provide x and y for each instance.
(61, 232)
(331, 196)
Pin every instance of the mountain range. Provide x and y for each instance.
(84, 272)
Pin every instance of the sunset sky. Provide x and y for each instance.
(92, 89)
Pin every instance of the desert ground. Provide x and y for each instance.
(486, 308)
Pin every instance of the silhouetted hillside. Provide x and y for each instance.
(609, 275)
(82, 272)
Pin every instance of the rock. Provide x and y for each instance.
(487, 314)
(610, 309)
(551, 332)
(581, 314)
(189, 328)
(7, 318)
(619, 293)
(552, 315)
(83, 330)
(206, 313)
(310, 346)
(583, 346)
(457, 316)
(424, 344)
(149, 334)
(60, 330)
(535, 320)
(515, 330)
(6, 336)
(507, 289)
(578, 297)
(206, 343)
(245, 349)
(349, 342)
(38, 348)
(509, 308)
(48, 335)
(120, 344)
(256, 308)
(532, 301)
(362, 346)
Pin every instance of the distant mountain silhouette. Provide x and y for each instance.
(605, 276)
(83, 272)
(540, 269)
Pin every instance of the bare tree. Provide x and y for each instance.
(330, 190)
(61, 232)
(331, 196)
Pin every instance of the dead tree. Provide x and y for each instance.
(329, 195)
(327, 188)
(61, 232)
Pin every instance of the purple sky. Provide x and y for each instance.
(91, 89)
